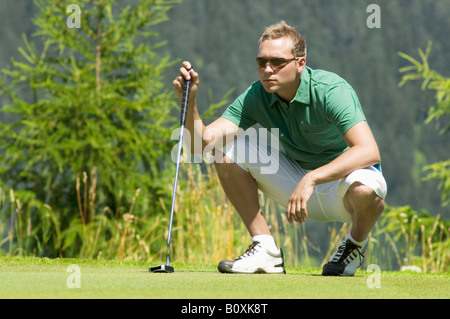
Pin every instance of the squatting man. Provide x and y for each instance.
(329, 162)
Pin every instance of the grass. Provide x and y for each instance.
(43, 278)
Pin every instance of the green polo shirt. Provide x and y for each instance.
(312, 126)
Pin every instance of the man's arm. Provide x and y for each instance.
(216, 131)
(362, 153)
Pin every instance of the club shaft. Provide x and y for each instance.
(174, 192)
(184, 107)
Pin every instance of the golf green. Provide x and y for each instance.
(43, 278)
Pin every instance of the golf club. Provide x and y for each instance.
(184, 106)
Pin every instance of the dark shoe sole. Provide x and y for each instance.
(225, 266)
(333, 269)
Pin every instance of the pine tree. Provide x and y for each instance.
(90, 107)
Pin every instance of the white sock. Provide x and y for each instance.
(266, 241)
(359, 243)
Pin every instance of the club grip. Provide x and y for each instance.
(184, 101)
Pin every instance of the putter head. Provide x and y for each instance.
(162, 268)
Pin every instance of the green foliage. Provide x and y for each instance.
(414, 238)
(92, 100)
(441, 172)
(436, 82)
(431, 81)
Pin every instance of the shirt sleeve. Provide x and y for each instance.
(343, 107)
(239, 112)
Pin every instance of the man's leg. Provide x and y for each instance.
(365, 207)
(242, 192)
(262, 256)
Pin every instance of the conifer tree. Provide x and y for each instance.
(89, 104)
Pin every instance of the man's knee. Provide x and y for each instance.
(228, 169)
(360, 197)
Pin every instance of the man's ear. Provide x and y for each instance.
(301, 64)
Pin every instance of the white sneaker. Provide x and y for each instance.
(255, 260)
(346, 260)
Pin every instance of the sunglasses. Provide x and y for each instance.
(274, 63)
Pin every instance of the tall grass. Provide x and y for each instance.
(20, 234)
(120, 234)
(414, 238)
(206, 229)
(34, 229)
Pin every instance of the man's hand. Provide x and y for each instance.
(362, 152)
(296, 208)
(188, 73)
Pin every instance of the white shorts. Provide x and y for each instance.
(277, 176)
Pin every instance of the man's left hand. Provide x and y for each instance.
(296, 208)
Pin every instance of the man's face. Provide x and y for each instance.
(285, 78)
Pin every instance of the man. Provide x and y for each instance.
(328, 166)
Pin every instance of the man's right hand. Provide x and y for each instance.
(188, 73)
(218, 129)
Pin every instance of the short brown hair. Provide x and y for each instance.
(282, 29)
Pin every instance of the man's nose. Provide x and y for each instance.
(268, 68)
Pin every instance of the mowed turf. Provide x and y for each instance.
(44, 278)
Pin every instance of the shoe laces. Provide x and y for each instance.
(347, 249)
(250, 250)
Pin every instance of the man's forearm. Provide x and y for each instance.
(354, 158)
(362, 153)
(196, 128)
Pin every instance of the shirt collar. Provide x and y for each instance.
(303, 92)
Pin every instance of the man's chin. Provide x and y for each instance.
(270, 88)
